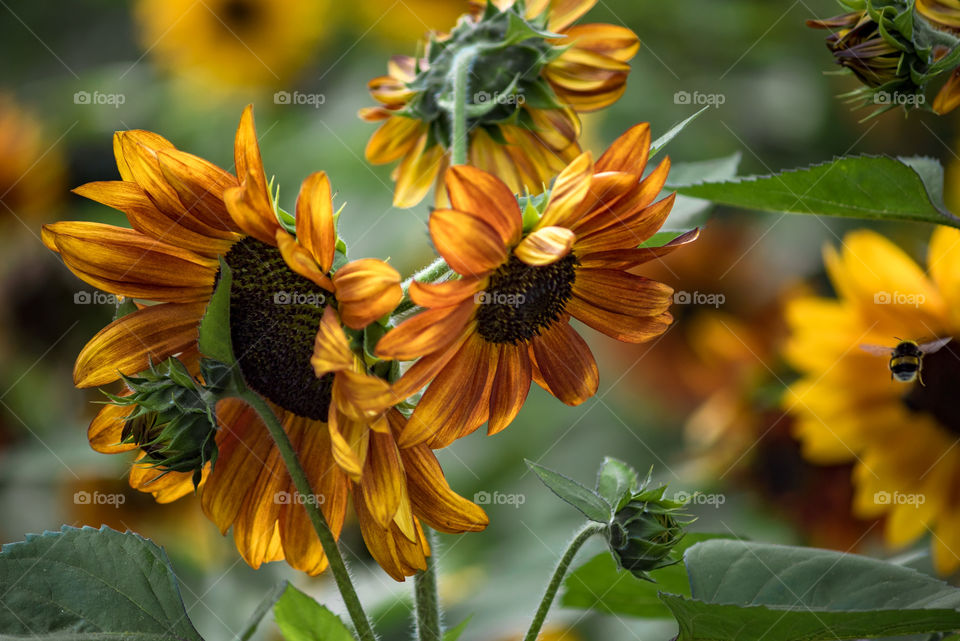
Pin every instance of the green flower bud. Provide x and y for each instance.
(174, 421)
(645, 530)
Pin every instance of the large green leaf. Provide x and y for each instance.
(687, 212)
(873, 187)
(90, 585)
(600, 585)
(301, 618)
(752, 591)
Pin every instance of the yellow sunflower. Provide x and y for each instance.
(900, 437)
(503, 320)
(32, 166)
(403, 22)
(231, 43)
(525, 97)
(186, 215)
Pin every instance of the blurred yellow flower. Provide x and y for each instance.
(407, 21)
(32, 167)
(901, 437)
(232, 43)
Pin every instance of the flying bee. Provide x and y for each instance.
(906, 359)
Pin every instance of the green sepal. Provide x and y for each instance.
(589, 502)
(519, 30)
(124, 307)
(215, 341)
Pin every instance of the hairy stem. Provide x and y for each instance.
(557, 578)
(459, 72)
(429, 274)
(338, 566)
(426, 598)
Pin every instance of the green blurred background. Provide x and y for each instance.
(74, 72)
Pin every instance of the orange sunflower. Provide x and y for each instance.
(503, 320)
(523, 119)
(187, 215)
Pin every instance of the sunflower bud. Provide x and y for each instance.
(173, 421)
(645, 530)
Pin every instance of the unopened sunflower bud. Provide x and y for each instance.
(645, 531)
(173, 420)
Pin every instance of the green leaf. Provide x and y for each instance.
(616, 482)
(268, 601)
(215, 341)
(661, 142)
(593, 506)
(302, 619)
(601, 586)
(90, 585)
(519, 30)
(454, 633)
(687, 212)
(751, 591)
(874, 187)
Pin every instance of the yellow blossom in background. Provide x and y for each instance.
(32, 167)
(900, 437)
(403, 22)
(224, 44)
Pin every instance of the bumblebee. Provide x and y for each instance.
(906, 359)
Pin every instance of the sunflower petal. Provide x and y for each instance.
(629, 329)
(367, 289)
(383, 478)
(545, 246)
(629, 152)
(427, 332)
(300, 260)
(417, 173)
(393, 139)
(484, 196)
(315, 229)
(510, 387)
(566, 364)
(432, 498)
(200, 185)
(469, 244)
(569, 190)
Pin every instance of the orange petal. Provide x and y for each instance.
(426, 332)
(104, 431)
(564, 13)
(300, 260)
(417, 173)
(249, 164)
(315, 229)
(349, 440)
(566, 364)
(631, 231)
(331, 350)
(628, 210)
(630, 258)
(445, 294)
(469, 244)
(569, 190)
(629, 152)
(483, 195)
(487, 155)
(948, 98)
(629, 329)
(556, 128)
(200, 185)
(393, 139)
(252, 210)
(144, 167)
(367, 289)
(149, 141)
(427, 367)
(432, 498)
(510, 386)
(623, 293)
(383, 480)
(610, 40)
(129, 344)
(545, 246)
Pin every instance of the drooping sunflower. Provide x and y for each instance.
(186, 215)
(525, 96)
(900, 437)
(32, 166)
(231, 43)
(503, 319)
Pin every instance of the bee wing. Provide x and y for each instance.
(877, 350)
(933, 346)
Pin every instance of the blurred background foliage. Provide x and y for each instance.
(699, 404)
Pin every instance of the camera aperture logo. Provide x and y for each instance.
(499, 298)
(497, 98)
(298, 98)
(698, 498)
(299, 298)
(899, 498)
(499, 498)
(98, 498)
(899, 99)
(95, 297)
(698, 98)
(286, 498)
(899, 298)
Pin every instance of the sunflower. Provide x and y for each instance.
(900, 437)
(187, 215)
(231, 43)
(32, 167)
(526, 96)
(403, 22)
(944, 15)
(504, 319)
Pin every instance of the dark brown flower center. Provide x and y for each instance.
(938, 393)
(274, 317)
(521, 301)
(239, 15)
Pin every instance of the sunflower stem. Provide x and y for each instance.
(429, 274)
(558, 575)
(338, 566)
(426, 597)
(459, 70)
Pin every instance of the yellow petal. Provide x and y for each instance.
(315, 229)
(366, 290)
(545, 246)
